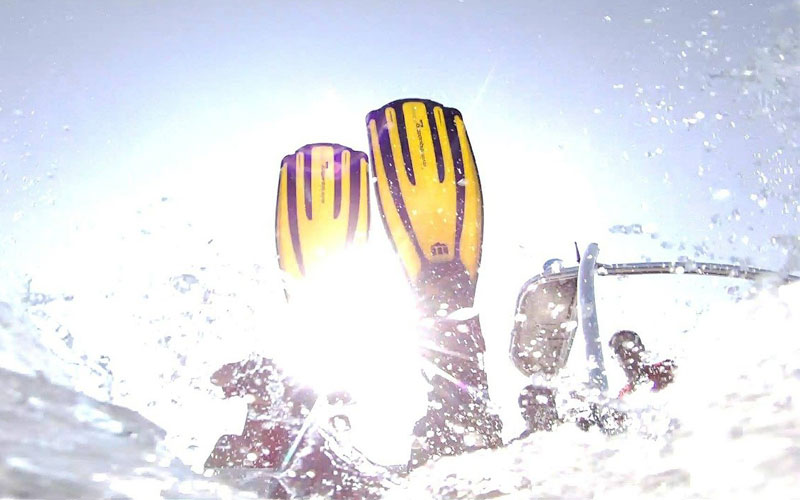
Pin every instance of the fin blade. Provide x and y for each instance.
(427, 185)
(320, 211)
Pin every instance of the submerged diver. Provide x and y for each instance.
(538, 403)
(276, 409)
(629, 351)
(275, 438)
(430, 201)
(538, 407)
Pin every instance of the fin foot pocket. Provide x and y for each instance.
(459, 418)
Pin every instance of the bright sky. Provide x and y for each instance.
(138, 143)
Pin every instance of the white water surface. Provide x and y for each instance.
(727, 428)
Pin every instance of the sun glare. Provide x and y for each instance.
(356, 330)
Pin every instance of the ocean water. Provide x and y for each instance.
(729, 427)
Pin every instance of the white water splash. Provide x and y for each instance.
(727, 429)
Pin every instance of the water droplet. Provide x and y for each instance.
(721, 194)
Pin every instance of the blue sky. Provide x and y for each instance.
(111, 107)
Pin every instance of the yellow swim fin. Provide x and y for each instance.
(322, 208)
(429, 196)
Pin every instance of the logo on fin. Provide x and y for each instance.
(439, 249)
(419, 125)
(322, 172)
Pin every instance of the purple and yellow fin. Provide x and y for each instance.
(323, 207)
(429, 195)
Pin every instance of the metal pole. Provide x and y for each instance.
(290, 453)
(587, 319)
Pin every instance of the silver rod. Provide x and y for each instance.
(677, 268)
(290, 453)
(698, 268)
(587, 319)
